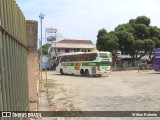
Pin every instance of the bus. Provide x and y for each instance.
(84, 63)
(156, 59)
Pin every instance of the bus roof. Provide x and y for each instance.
(76, 53)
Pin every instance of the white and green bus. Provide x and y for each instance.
(84, 63)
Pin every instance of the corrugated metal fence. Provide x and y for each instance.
(13, 58)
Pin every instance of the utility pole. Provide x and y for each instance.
(55, 45)
(41, 16)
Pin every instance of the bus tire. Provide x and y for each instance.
(87, 72)
(61, 71)
(99, 75)
(82, 72)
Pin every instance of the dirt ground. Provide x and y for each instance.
(117, 91)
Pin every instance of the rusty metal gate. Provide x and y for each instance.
(13, 58)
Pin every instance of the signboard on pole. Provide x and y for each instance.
(50, 34)
(51, 30)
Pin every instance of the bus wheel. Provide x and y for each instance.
(61, 71)
(82, 72)
(99, 75)
(86, 72)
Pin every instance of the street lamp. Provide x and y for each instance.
(55, 45)
(41, 16)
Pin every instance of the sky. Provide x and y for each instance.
(82, 19)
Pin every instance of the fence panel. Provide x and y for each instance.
(14, 94)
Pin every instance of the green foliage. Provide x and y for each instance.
(133, 38)
(44, 50)
(125, 39)
(143, 20)
(107, 41)
(156, 41)
(101, 32)
(125, 27)
(141, 31)
(149, 45)
(111, 43)
(132, 21)
(154, 31)
(139, 45)
(101, 39)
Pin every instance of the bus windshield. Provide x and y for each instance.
(105, 57)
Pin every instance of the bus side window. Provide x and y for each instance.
(62, 59)
(58, 60)
(72, 58)
(88, 57)
(77, 57)
(94, 56)
(83, 57)
(67, 58)
(80, 58)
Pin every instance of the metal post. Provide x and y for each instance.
(41, 38)
(55, 46)
(41, 16)
(46, 82)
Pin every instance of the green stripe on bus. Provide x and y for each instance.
(67, 64)
(105, 64)
(97, 64)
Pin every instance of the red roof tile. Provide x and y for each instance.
(76, 41)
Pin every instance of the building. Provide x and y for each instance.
(70, 45)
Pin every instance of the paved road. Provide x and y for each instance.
(117, 91)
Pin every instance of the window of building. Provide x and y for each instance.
(89, 50)
(58, 50)
(66, 50)
(84, 50)
(76, 50)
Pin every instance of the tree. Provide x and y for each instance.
(149, 46)
(156, 41)
(141, 31)
(44, 50)
(107, 42)
(136, 38)
(125, 39)
(101, 39)
(138, 48)
(132, 22)
(143, 20)
(154, 32)
(125, 27)
(111, 43)
(137, 34)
